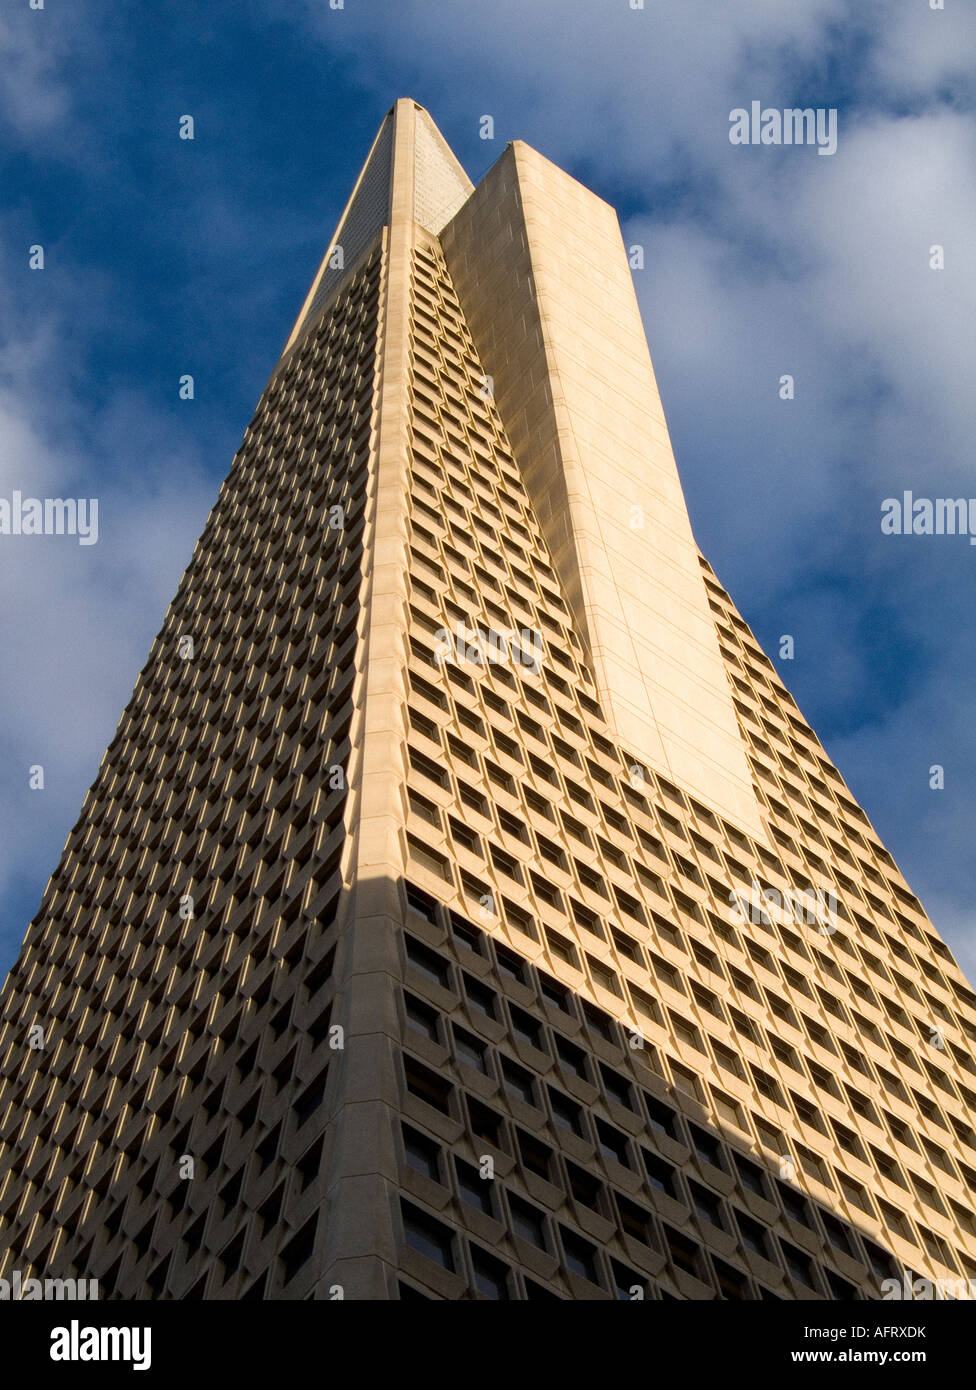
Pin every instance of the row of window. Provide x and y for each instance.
(529, 1030)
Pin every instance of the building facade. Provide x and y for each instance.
(463, 908)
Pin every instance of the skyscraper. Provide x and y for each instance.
(463, 907)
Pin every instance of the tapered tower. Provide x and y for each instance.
(463, 907)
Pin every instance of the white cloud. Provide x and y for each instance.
(76, 622)
(33, 94)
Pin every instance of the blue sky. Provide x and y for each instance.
(166, 256)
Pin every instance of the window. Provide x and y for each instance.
(794, 1205)
(686, 1080)
(662, 1118)
(808, 1113)
(599, 1022)
(518, 1081)
(707, 1205)
(424, 808)
(754, 1236)
(427, 1236)
(838, 1235)
(612, 1143)
(470, 1050)
(636, 1222)
(580, 1255)
(422, 1017)
(463, 835)
(492, 1278)
(526, 1028)
(468, 934)
(727, 1059)
(428, 963)
(528, 1221)
(472, 799)
(706, 1000)
(554, 993)
(617, 1087)
(510, 964)
(585, 1188)
(627, 1284)
(422, 1153)
(427, 1085)
(766, 1085)
(706, 1146)
(799, 1265)
(751, 1176)
(572, 1057)
(566, 1112)
(661, 1176)
(562, 948)
(603, 975)
(685, 1254)
(536, 1157)
(480, 997)
(732, 1282)
(472, 1187)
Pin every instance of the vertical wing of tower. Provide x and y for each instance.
(542, 274)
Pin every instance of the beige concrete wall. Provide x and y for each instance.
(545, 284)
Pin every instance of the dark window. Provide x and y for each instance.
(732, 1283)
(661, 1176)
(580, 1255)
(794, 1205)
(662, 1118)
(428, 963)
(707, 1146)
(566, 1112)
(612, 1143)
(584, 1187)
(572, 1057)
(754, 1235)
(636, 1222)
(422, 1017)
(510, 964)
(470, 1050)
(472, 1187)
(465, 932)
(617, 1087)
(554, 993)
(536, 1156)
(480, 997)
(627, 1284)
(751, 1176)
(486, 1124)
(707, 1204)
(526, 1028)
(685, 1254)
(518, 1081)
(799, 1265)
(428, 1085)
(427, 1236)
(528, 1221)
(423, 1154)
(492, 1278)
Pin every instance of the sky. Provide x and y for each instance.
(164, 257)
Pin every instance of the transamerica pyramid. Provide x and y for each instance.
(463, 908)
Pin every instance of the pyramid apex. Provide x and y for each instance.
(410, 172)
